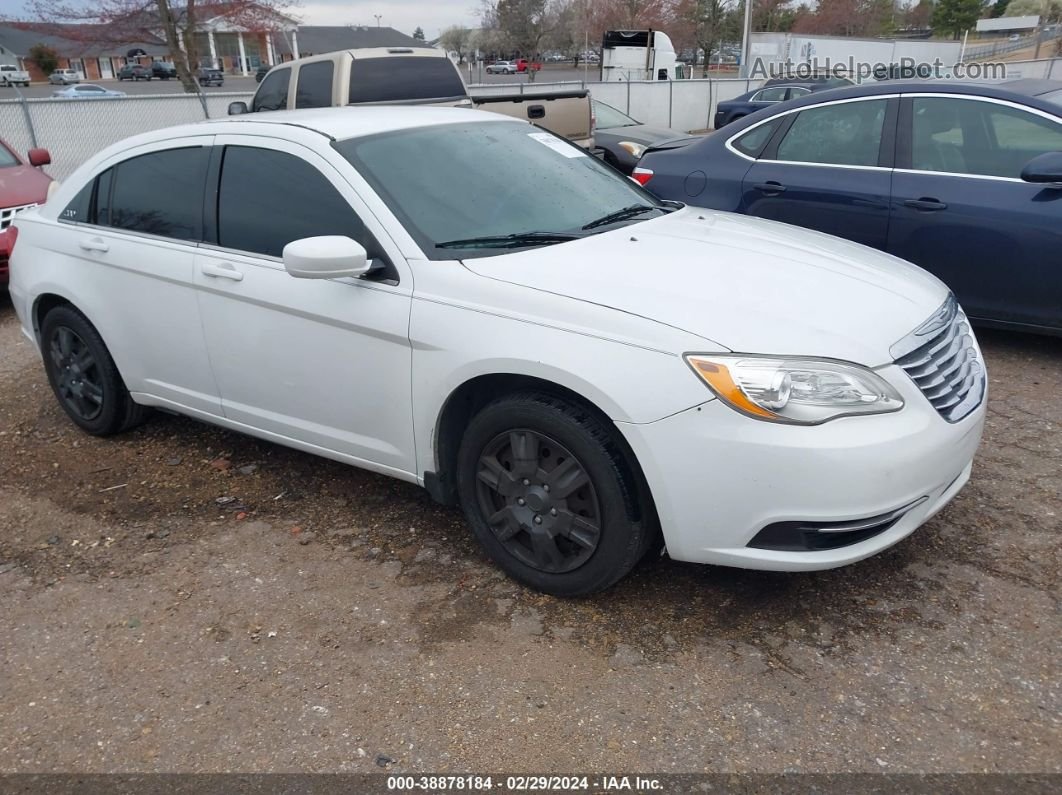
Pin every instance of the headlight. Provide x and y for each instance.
(633, 149)
(793, 390)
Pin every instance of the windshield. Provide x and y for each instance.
(462, 182)
(7, 159)
(607, 116)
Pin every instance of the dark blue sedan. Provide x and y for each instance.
(771, 93)
(964, 180)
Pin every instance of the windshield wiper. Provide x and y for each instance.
(516, 240)
(621, 215)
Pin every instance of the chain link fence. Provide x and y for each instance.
(75, 129)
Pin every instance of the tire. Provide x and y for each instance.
(545, 489)
(84, 377)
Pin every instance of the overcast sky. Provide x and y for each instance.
(403, 15)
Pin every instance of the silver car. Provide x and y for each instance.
(64, 77)
(86, 91)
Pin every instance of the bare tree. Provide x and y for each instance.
(122, 22)
(456, 39)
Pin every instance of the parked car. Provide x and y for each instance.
(960, 178)
(421, 75)
(23, 184)
(523, 65)
(87, 91)
(623, 140)
(64, 77)
(134, 72)
(502, 68)
(11, 75)
(261, 72)
(547, 358)
(738, 108)
(163, 70)
(210, 77)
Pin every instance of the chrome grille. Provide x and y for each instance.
(7, 214)
(941, 358)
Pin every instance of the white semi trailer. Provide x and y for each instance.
(639, 55)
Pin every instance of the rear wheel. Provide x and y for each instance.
(83, 375)
(546, 490)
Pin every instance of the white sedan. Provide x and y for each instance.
(466, 302)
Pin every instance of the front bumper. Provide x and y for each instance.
(719, 478)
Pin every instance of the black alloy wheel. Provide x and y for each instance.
(551, 495)
(78, 381)
(539, 501)
(83, 375)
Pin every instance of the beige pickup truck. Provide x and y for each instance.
(409, 75)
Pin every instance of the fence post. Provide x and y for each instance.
(1050, 68)
(26, 116)
(711, 93)
(628, 95)
(670, 100)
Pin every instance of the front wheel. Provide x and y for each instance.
(547, 493)
(83, 375)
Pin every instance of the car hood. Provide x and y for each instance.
(23, 185)
(741, 283)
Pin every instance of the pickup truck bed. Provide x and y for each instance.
(565, 113)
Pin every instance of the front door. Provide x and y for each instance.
(961, 211)
(106, 69)
(324, 362)
(828, 169)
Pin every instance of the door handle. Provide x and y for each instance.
(223, 271)
(770, 187)
(925, 204)
(93, 244)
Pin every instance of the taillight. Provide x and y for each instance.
(7, 242)
(642, 175)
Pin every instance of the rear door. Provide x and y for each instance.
(961, 211)
(828, 167)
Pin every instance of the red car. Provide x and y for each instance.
(522, 65)
(22, 185)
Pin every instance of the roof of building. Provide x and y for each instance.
(72, 41)
(318, 39)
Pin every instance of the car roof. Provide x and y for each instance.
(359, 121)
(1012, 89)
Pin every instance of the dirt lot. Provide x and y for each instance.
(327, 619)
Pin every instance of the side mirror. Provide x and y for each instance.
(238, 108)
(1046, 168)
(325, 257)
(39, 157)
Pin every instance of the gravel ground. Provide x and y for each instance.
(327, 619)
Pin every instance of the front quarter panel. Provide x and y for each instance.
(629, 367)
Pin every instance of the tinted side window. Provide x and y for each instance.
(78, 209)
(160, 193)
(267, 199)
(982, 138)
(752, 142)
(844, 134)
(770, 95)
(404, 78)
(315, 85)
(273, 93)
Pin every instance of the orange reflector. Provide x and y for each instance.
(719, 378)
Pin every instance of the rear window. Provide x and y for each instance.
(1054, 97)
(404, 78)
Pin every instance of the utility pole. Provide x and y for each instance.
(746, 44)
(378, 18)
